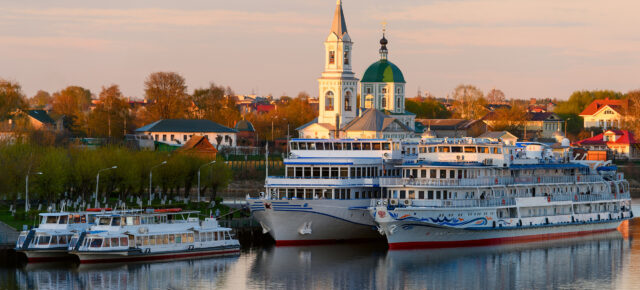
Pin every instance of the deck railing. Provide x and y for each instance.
(490, 181)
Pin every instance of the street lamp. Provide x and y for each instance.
(151, 178)
(203, 165)
(98, 182)
(26, 194)
(565, 126)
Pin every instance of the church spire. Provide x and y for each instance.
(383, 42)
(339, 26)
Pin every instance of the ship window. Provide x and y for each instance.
(115, 221)
(414, 173)
(290, 171)
(347, 146)
(294, 145)
(311, 146)
(96, 243)
(499, 150)
(430, 194)
(403, 194)
(328, 146)
(483, 150)
(421, 194)
(344, 172)
(386, 146)
(452, 174)
(316, 171)
(432, 149)
(443, 173)
(432, 173)
(357, 146)
(444, 149)
(307, 172)
(456, 149)
(469, 149)
(325, 172)
(302, 145)
(376, 146)
(298, 171)
(412, 194)
(337, 146)
(366, 146)
(423, 173)
(334, 171)
(319, 146)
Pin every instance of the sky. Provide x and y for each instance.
(535, 48)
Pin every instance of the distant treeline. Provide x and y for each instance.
(56, 171)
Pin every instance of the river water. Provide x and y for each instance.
(603, 261)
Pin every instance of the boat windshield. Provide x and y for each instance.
(62, 220)
(104, 221)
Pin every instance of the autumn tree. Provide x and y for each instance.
(111, 114)
(167, 96)
(510, 119)
(40, 100)
(73, 102)
(469, 102)
(216, 103)
(496, 97)
(631, 120)
(11, 99)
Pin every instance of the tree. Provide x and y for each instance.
(509, 119)
(217, 104)
(72, 103)
(469, 102)
(11, 99)
(110, 116)
(427, 108)
(581, 99)
(631, 120)
(54, 178)
(495, 97)
(167, 96)
(40, 100)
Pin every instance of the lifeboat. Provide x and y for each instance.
(160, 210)
(99, 209)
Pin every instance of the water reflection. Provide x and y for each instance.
(598, 261)
(184, 274)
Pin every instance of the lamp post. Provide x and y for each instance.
(565, 126)
(98, 182)
(203, 165)
(26, 191)
(151, 179)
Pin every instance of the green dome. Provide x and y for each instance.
(383, 71)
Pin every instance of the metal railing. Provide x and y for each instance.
(490, 181)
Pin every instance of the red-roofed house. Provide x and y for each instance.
(621, 143)
(604, 114)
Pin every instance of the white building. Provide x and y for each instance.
(604, 114)
(177, 132)
(338, 91)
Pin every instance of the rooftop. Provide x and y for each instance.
(185, 125)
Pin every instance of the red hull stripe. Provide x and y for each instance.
(491, 242)
(285, 243)
(158, 257)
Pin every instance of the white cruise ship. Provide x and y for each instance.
(326, 190)
(468, 192)
(156, 235)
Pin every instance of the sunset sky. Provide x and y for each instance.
(541, 48)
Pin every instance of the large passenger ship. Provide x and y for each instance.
(466, 192)
(327, 188)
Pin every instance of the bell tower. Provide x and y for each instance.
(338, 84)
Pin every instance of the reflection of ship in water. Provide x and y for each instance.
(183, 274)
(594, 260)
(338, 266)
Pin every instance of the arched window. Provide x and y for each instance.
(368, 103)
(347, 101)
(328, 101)
(332, 57)
(384, 102)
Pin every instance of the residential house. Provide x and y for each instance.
(454, 128)
(246, 133)
(200, 146)
(604, 114)
(537, 126)
(177, 132)
(371, 124)
(621, 143)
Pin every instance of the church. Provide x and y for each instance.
(379, 113)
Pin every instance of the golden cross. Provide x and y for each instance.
(384, 26)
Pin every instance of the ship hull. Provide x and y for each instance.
(46, 255)
(300, 222)
(88, 257)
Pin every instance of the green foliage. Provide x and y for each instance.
(73, 170)
(581, 99)
(11, 98)
(427, 109)
(575, 123)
